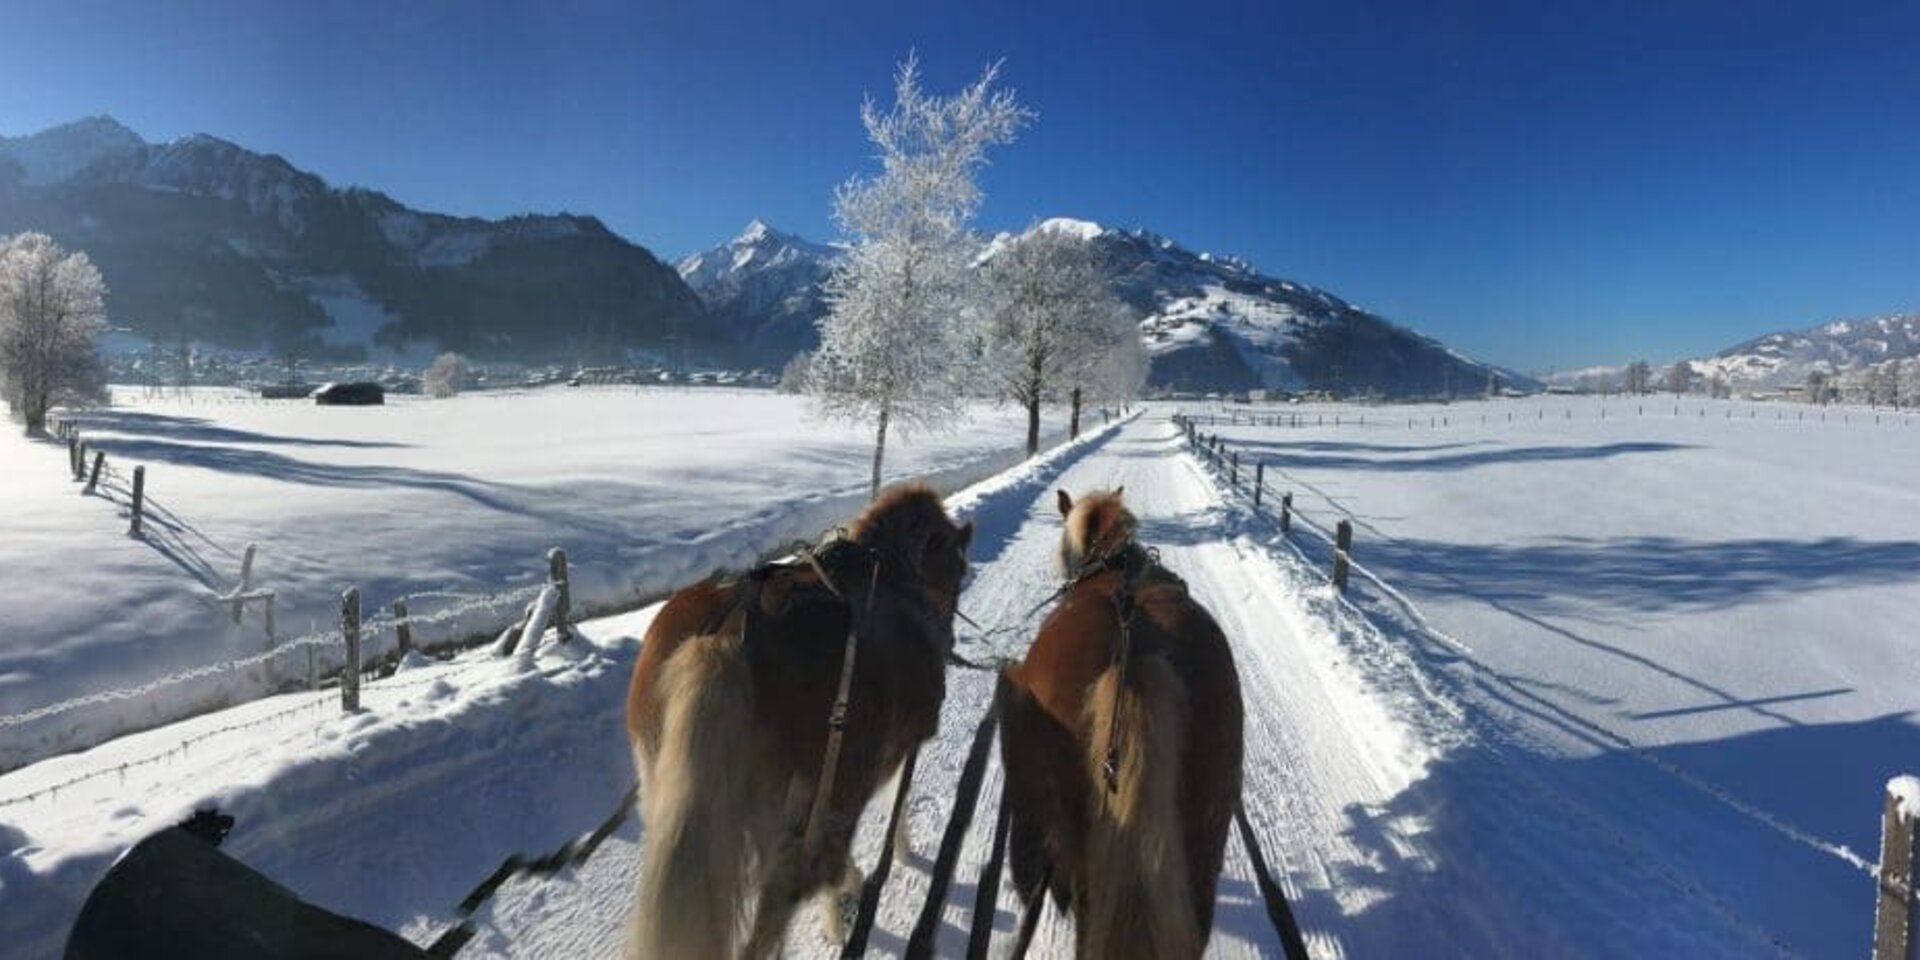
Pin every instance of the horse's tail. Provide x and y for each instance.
(696, 805)
(1138, 901)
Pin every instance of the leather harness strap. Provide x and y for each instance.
(837, 720)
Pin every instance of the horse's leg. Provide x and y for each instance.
(781, 888)
(840, 902)
(902, 827)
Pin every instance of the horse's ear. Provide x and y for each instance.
(965, 537)
(1066, 503)
(1117, 491)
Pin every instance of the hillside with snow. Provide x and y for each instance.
(1787, 357)
(762, 290)
(1210, 324)
(204, 239)
(1215, 323)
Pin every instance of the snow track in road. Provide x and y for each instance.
(1396, 824)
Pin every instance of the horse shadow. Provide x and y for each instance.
(1641, 574)
(1520, 851)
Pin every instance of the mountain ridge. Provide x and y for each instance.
(204, 239)
(1210, 323)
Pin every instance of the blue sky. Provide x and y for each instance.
(1544, 184)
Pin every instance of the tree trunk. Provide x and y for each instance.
(1033, 425)
(1073, 425)
(879, 451)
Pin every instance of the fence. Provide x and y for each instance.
(1729, 410)
(1894, 875)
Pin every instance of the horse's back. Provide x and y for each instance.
(1048, 736)
(688, 613)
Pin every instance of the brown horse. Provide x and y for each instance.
(1121, 739)
(729, 711)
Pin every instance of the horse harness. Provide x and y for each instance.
(1133, 565)
(835, 553)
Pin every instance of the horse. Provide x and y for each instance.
(728, 715)
(1121, 740)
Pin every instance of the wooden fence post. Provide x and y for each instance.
(1342, 546)
(1893, 913)
(1259, 481)
(557, 573)
(99, 460)
(350, 631)
(139, 497)
(1286, 511)
(402, 627)
(1233, 475)
(246, 581)
(270, 630)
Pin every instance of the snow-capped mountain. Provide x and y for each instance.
(204, 239)
(1787, 357)
(51, 156)
(763, 289)
(1209, 323)
(1214, 323)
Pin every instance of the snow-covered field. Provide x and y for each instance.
(448, 503)
(1732, 588)
(1627, 660)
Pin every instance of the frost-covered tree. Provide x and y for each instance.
(793, 376)
(1909, 383)
(1883, 384)
(1117, 372)
(1051, 320)
(1637, 378)
(1817, 385)
(52, 305)
(1678, 378)
(444, 378)
(892, 344)
(1717, 387)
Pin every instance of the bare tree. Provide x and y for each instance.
(1050, 320)
(892, 345)
(445, 377)
(52, 305)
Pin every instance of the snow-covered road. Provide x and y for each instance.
(1405, 808)
(1352, 779)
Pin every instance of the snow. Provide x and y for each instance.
(1730, 598)
(1079, 229)
(394, 814)
(58, 153)
(1905, 791)
(448, 502)
(1435, 772)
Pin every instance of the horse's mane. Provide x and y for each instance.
(898, 516)
(1099, 524)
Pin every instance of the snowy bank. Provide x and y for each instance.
(392, 814)
(450, 505)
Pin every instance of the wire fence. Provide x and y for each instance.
(1225, 465)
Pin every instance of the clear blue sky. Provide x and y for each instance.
(1538, 183)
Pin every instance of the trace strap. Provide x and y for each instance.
(837, 720)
